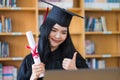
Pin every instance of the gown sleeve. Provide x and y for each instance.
(25, 69)
(81, 62)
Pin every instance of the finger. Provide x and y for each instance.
(66, 60)
(39, 71)
(64, 66)
(74, 56)
(65, 63)
(37, 68)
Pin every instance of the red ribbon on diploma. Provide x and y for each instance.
(34, 52)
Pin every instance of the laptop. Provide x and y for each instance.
(83, 74)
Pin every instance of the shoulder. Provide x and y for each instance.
(28, 58)
(25, 68)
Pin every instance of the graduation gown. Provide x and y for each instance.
(54, 61)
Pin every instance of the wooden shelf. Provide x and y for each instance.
(25, 17)
(105, 42)
(102, 33)
(12, 59)
(102, 56)
(70, 9)
(18, 9)
(14, 34)
(100, 9)
(76, 33)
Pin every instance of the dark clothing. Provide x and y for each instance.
(54, 61)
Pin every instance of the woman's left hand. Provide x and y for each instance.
(70, 64)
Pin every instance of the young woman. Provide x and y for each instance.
(55, 48)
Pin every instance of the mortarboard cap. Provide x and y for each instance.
(60, 15)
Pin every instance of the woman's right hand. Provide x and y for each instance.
(37, 70)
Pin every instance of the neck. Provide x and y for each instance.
(53, 48)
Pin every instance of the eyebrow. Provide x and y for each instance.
(57, 29)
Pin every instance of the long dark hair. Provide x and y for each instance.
(66, 47)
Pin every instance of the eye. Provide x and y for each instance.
(64, 32)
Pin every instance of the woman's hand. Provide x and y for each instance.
(37, 70)
(70, 64)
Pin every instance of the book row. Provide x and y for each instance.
(96, 64)
(104, 4)
(8, 72)
(4, 49)
(95, 24)
(5, 24)
(60, 3)
(104, 1)
(7, 3)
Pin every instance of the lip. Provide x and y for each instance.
(56, 41)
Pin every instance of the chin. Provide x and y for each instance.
(55, 45)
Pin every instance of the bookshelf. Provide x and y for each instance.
(106, 43)
(25, 17)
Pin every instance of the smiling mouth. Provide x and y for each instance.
(56, 41)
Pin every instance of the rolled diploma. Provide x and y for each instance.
(31, 42)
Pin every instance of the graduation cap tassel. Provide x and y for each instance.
(46, 14)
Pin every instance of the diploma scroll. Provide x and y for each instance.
(31, 42)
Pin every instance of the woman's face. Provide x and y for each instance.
(57, 35)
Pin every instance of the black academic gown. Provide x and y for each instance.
(54, 61)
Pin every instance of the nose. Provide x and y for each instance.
(57, 35)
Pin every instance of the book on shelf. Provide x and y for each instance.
(101, 64)
(7, 3)
(103, 4)
(40, 20)
(60, 3)
(0, 26)
(98, 25)
(9, 73)
(94, 63)
(1, 71)
(4, 49)
(0, 49)
(67, 3)
(6, 24)
(95, 24)
(103, 21)
(3, 23)
(90, 26)
(89, 47)
(89, 23)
